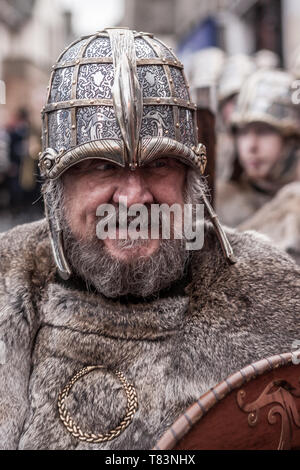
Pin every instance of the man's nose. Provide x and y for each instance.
(251, 142)
(133, 186)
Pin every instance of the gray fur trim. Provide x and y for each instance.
(173, 349)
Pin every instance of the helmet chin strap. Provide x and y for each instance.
(57, 244)
(224, 242)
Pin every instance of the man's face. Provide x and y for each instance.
(260, 147)
(93, 182)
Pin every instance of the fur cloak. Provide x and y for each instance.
(279, 220)
(172, 348)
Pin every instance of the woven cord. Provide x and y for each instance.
(75, 430)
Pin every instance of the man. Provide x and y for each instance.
(235, 71)
(105, 342)
(266, 130)
(19, 133)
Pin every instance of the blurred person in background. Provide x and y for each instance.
(279, 219)
(266, 59)
(204, 71)
(235, 71)
(24, 145)
(18, 129)
(266, 132)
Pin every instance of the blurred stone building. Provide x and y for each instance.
(237, 26)
(32, 33)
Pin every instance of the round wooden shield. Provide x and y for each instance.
(255, 408)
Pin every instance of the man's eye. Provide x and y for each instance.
(158, 164)
(105, 166)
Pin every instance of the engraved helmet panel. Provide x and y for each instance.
(122, 96)
(266, 96)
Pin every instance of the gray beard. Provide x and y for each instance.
(112, 277)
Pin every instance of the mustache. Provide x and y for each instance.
(157, 220)
(122, 217)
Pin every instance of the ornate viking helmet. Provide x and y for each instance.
(266, 96)
(121, 96)
(266, 59)
(235, 71)
(118, 95)
(206, 66)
